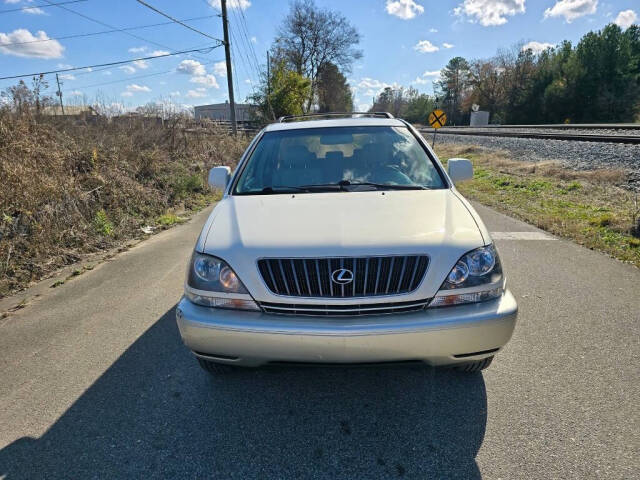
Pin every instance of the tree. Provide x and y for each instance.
(452, 87)
(311, 37)
(284, 93)
(408, 103)
(334, 93)
(27, 100)
(598, 80)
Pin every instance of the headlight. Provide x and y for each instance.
(209, 275)
(478, 271)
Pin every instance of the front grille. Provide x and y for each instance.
(372, 276)
(344, 310)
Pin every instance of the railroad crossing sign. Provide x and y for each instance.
(437, 119)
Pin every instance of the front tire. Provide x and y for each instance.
(215, 368)
(476, 366)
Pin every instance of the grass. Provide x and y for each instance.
(585, 206)
(70, 189)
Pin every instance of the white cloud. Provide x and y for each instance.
(433, 30)
(370, 87)
(127, 68)
(425, 46)
(175, 94)
(157, 53)
(241, 4)
(626, 18)
(63, 66)
(107, 72)
(220, 69)
(137, 49)
(537, 47)
(39, 49)
(254, 40)
(489, 12)
(67, 76)
(75, 93)
(367, 82)
(427, 77)
(127, 94)
(191, 67)
(447, 45)
(141, 64)
(134, 87)
(197, 93)
(33, 11)
(404, 9)
(207, 80)
(572, 9)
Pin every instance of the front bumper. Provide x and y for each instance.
(437, 336)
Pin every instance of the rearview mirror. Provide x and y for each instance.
(219, 177)
(459, 169)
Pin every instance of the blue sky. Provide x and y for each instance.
(404, 42)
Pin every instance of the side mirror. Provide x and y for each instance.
(219, 177)
(459, 169)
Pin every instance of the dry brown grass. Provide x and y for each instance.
(67, 189)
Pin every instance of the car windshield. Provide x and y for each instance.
(338, 158)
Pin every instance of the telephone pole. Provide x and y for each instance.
(59, 94)
(227, 54)
(268, 74)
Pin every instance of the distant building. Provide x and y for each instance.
(221, 111)
(479, 118)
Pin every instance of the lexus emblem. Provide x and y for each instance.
(342, 276)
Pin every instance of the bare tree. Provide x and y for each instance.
(311, 37)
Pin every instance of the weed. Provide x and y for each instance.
(102, 224)
(168, 219)
(603, 220)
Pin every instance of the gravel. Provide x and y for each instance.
(571, 154)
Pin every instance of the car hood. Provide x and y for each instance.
(242, 229)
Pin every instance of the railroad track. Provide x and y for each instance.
(533, 132)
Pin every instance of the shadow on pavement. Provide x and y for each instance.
(154, 413)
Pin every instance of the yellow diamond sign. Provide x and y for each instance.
(437, 119)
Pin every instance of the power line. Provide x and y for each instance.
(110, 26)
(79, 35)
(128, 79)
(177, 21)
(33, 7)
(110, 64)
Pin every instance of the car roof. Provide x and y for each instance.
(339, 122)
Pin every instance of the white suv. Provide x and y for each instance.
(344, 241)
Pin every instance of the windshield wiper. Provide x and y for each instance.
(381, 186)
(388, 186)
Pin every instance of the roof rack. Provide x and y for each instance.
(288, 118)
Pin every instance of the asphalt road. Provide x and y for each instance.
(95, 383)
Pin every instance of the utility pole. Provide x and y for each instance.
(268, 74)
(227, 54)
(59, 93)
